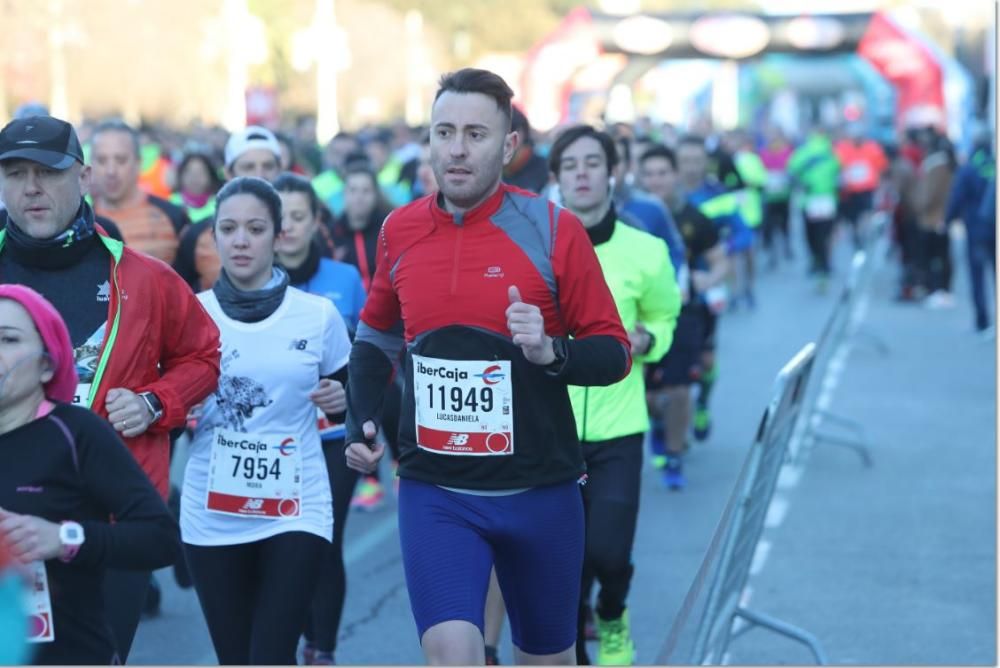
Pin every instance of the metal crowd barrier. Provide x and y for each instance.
(707, 622)
(817, 424)
(727, 564)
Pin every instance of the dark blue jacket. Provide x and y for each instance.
(967, 192)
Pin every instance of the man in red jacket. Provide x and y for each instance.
(498, 298)
(146, 351)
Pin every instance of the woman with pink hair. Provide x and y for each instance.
(64, 473)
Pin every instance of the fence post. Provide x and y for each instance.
(726, 566)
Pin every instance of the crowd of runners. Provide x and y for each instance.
(515, 320)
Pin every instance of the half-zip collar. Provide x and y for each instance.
(480, 213)
(602, 232)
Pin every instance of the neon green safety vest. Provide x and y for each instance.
(195, 214)
(815, 166)
(398, 193)
(754, 174)
(638, 271)
(329, 188)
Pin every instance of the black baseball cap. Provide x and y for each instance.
(42, 139)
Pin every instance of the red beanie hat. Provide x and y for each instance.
(55, 339)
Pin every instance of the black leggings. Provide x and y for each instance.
(936, 258)
(776, 221)
(323, 623)
(124, 598)
(818, 233)
(611, 511)
(255, 596)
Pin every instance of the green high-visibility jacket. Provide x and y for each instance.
(754, 174)
(815, 167)
(329, 188)
(195, 214)
(638, 271)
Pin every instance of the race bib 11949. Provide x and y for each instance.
(464, 407)
(254, 476)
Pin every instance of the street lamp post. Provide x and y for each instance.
(325, 27)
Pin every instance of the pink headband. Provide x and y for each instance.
(55, 338)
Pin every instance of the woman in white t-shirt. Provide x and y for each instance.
(256, 508)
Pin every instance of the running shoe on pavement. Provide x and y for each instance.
(369, 495)
(702, 423)
(308, 653)
(322, 659)
(617, 648)
(673, 474)
(151, 608)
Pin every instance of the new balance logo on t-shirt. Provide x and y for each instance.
(298, 344)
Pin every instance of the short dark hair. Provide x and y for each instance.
(382, 205)
(624, 149)
(287, 182)
(659, 151)
(118, 125)
(471, 80)
(259, 188)
(205, 159)
(692, 140)
(570, 135)
(519, 123)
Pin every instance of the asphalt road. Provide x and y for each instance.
(892, 564)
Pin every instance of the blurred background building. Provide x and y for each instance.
(328, 64)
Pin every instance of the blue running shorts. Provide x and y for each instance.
(450, 540)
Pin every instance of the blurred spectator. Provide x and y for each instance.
(933, 184)
(148, 223)
(388, 168)
(329, 184)
(197, 182)
(526, 169)
(644, 210)
(289, 157)
(752, 176)
(862, 164)
(154, 168)
(970, 192)
(902, 182)
(816, 171)
(253, 151)
(305, 140)
(365, 207)
(426, 182)
(777, 193)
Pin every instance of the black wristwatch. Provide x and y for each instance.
(561, 349)
(153, 404)
(651, 341)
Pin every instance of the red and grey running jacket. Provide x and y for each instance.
(441, 289)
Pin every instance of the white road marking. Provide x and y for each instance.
(760, 557)
(776, 512)
(789, 476)
(360, 546)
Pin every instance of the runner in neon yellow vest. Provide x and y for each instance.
(329, 184)
(816, 171)
(612, 421)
